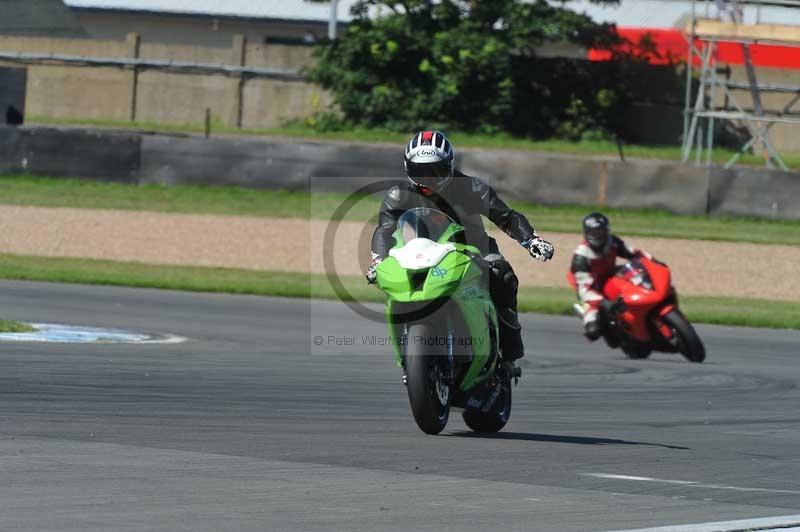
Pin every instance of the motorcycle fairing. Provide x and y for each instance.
(639, 301)
(454, 277)
(427, 283)
(462, 284)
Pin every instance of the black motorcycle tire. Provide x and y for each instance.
(637, 352)
(427, 375)
(689, 343)
(497, 416)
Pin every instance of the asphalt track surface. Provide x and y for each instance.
(242, 427)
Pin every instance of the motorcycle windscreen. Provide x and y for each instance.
(636, 274)
(423, 222)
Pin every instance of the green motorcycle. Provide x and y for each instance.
(443, 325)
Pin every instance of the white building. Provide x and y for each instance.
(214, 22)
(666, 14)
(208, 22)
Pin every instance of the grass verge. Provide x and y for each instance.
(57, 192)
(720, 310)
(8, 326)
(503, 141)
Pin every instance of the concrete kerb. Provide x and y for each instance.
(82, 154)
(9, 141)
(294, 164)
(676, 188)
(760, 192)
(258, 163)
(561, 179)
(536, 177)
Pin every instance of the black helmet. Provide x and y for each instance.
(429, 160)
(596, 230)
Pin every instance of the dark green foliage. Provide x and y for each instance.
(472, 66)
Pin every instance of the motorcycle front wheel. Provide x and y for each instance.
(688, 342)
(428, 377)
(637, 352)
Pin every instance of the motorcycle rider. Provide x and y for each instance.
(434, 182)
(593, 264)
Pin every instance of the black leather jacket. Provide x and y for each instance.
(465, 199)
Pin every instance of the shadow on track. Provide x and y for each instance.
(555, 438)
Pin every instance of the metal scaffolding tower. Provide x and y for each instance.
(717, 97)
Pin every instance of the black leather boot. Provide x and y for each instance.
(511, 346)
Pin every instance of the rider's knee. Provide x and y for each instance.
(511, 281)
(504, 280)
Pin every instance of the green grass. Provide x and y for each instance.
(84, 194)
(730, 311)
(650, 223)
(8, 326)
(742, 312)
(504, 141)
(55, 192)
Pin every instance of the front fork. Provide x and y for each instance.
(670, 304)
(662, 327)
(451, 371)
(450, 376)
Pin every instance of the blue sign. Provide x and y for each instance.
(439, 272)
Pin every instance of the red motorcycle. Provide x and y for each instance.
(640, 313)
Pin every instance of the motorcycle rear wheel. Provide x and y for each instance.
(428, 378)
(688, 342)
(497, 416)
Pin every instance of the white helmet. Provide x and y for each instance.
(430, 160)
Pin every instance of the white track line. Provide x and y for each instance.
(687, 483)
(784, 523)
(56, 333)
(166, 339)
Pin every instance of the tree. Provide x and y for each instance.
(466, 64)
